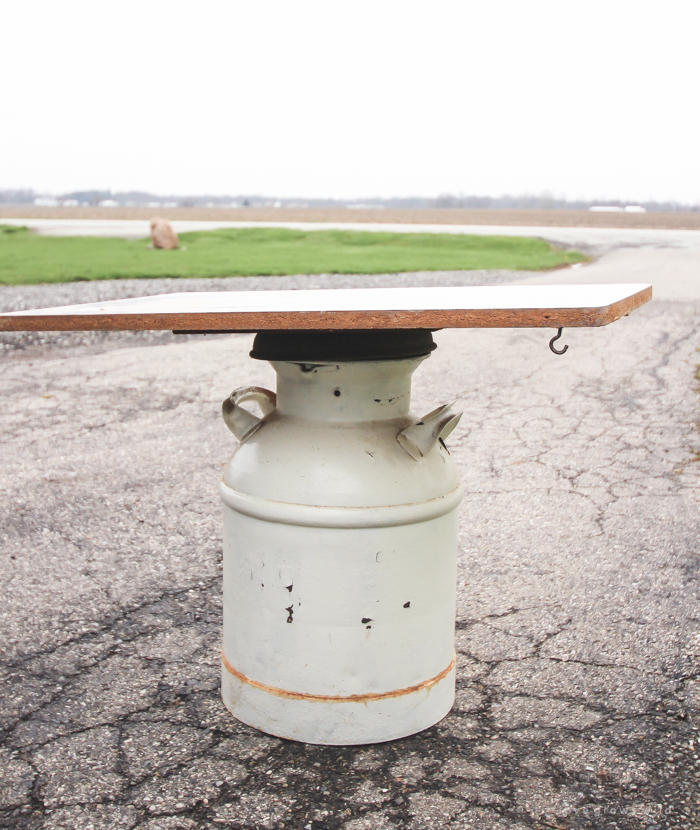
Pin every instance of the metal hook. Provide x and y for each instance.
(554, 340)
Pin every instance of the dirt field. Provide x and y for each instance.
(442, 216)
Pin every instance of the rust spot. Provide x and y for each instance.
(366, 620)
(426, 684)
(407, 605)
(290, 611)
(289, 587)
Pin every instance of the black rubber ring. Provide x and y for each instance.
(308, 346)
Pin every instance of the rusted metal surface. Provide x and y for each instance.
(426, 684)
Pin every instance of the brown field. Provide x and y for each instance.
(440, 216)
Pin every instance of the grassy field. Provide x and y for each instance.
(27, 258)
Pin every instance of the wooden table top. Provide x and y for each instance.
(504, 306)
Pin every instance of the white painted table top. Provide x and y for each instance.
(366, 308)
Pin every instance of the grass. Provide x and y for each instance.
(27, 258)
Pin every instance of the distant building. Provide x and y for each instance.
(617, 209)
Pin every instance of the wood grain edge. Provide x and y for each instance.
(257, 321)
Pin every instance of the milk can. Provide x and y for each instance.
(340, 540)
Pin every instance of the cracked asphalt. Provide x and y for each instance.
(578, 623)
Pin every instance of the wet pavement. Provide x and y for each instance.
(578, 622)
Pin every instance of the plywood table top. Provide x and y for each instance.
(505, 306)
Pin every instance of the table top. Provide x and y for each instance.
(504, 306)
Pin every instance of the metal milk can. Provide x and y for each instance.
(340, 541)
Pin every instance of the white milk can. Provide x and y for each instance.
(340, 541)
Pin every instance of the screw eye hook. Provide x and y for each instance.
(554, 340)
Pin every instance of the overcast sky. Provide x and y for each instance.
(353, 99)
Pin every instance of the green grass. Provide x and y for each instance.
(28, 258)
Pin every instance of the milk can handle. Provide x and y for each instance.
(419, 439)
(240, 421)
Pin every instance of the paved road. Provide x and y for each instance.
(578, 624)
(673, 271)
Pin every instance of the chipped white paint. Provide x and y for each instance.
(339, 558)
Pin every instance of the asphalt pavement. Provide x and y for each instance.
(578, 623)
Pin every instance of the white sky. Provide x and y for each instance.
(595, 98)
